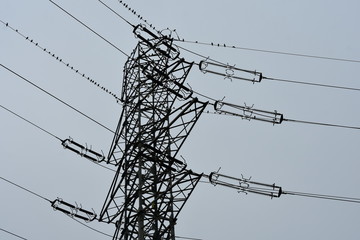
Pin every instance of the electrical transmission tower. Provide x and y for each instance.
(151, 185)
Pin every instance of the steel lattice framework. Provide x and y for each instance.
(151, 185)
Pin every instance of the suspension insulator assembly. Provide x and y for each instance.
(82, 150)
(230, 72)
(248, 112)
(72, 210)
(245, 185)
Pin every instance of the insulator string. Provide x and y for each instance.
(276, 79)
(46, 199)
(294, 121)
(53, 135)
(246, 185)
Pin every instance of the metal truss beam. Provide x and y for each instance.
(151, 185)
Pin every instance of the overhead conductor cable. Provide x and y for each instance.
(246, 185)
(58, 99)
(69, 143)
(59, 59)
(97, 34)
(270, 51)
(251, 113)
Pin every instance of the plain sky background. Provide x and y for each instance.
(295, 156)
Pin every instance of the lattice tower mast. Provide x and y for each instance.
(151, 185)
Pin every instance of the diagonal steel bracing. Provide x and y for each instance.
(151, 185)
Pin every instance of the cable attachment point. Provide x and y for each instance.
(213, 177)
(162, 159)
(73, 210)
(229, 71)
(181, 166)
(203, 65)
(83, 151)
(248, 112)
(159, 43)
(169, 33)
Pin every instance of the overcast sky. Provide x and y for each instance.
(298, 157)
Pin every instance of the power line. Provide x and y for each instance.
(53, 135)
(321, 124)
(59, 59)
(248, 186)
(202, 56)
(116, 13)
(37, 126)
(321, 196)
(89, 28)
(11, 233)
(270, 51)
(311, 83)
(58, 99)
(199, 55)
(284, 119)
(25, 189)
(291, 120)
(276, 79)
(268, 78)
(101, 165)
(132, 10)
(205, 96)
(188, 238)
(108, 235)
(138, 15)
(93, 229)
(224, 45)
(48, 201)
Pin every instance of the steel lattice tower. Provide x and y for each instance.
(151, 185)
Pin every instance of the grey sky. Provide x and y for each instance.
(295, 156)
